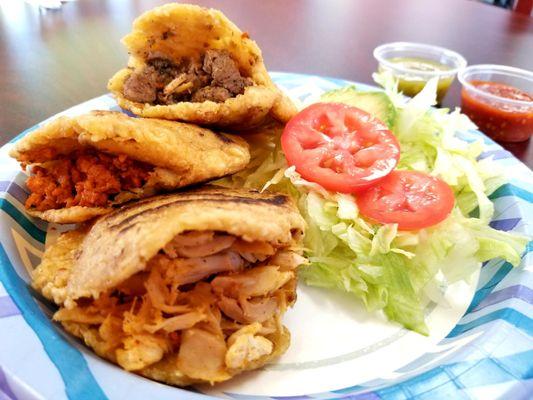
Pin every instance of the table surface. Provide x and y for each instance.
(54, 59)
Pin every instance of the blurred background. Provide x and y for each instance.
(57, 54)
(521, 6)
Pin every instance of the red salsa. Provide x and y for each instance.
(501, 120)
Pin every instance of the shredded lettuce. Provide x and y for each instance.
(398, 272)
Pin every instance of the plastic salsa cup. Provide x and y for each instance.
(499, 100)
(415, 64)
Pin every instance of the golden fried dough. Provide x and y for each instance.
(133, 234)
(181, 154)
(70, 215)
(182, 31)
(103, 276)
(53, 273)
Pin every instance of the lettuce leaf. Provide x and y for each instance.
(399, 272)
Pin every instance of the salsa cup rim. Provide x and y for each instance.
(460, 61)
(495, 68)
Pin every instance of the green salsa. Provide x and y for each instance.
(410, 84)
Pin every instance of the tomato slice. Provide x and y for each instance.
(342, 148)
(411, 199)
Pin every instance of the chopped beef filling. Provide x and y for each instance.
(209, 298)
(83, 178)
(216, 78)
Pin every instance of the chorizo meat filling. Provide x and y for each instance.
(215, 77)
(87, 177)
(208, 300)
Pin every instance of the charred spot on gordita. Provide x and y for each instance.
(222, 137)
(123, 225)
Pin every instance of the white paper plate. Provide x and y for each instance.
(480, 346)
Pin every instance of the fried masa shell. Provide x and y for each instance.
(165, 370)
(133, 234)
(176, 31)
(91, 260)
(183, 154)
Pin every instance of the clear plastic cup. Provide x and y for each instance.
(412, 80)
(502, 118)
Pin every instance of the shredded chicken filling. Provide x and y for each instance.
(86, 177)
(210, 298)
(214, 77)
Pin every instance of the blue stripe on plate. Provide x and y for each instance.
(449, 380)
(512, 292)
(14, 190)
(364, 396)
(496, 154)
(7, 307)
(513, 317)
(351, 389)
(489, 286)
(6, 393)
(246, 397)
(21, 219)
(79, 381)
(505, 224)
(509, 189)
